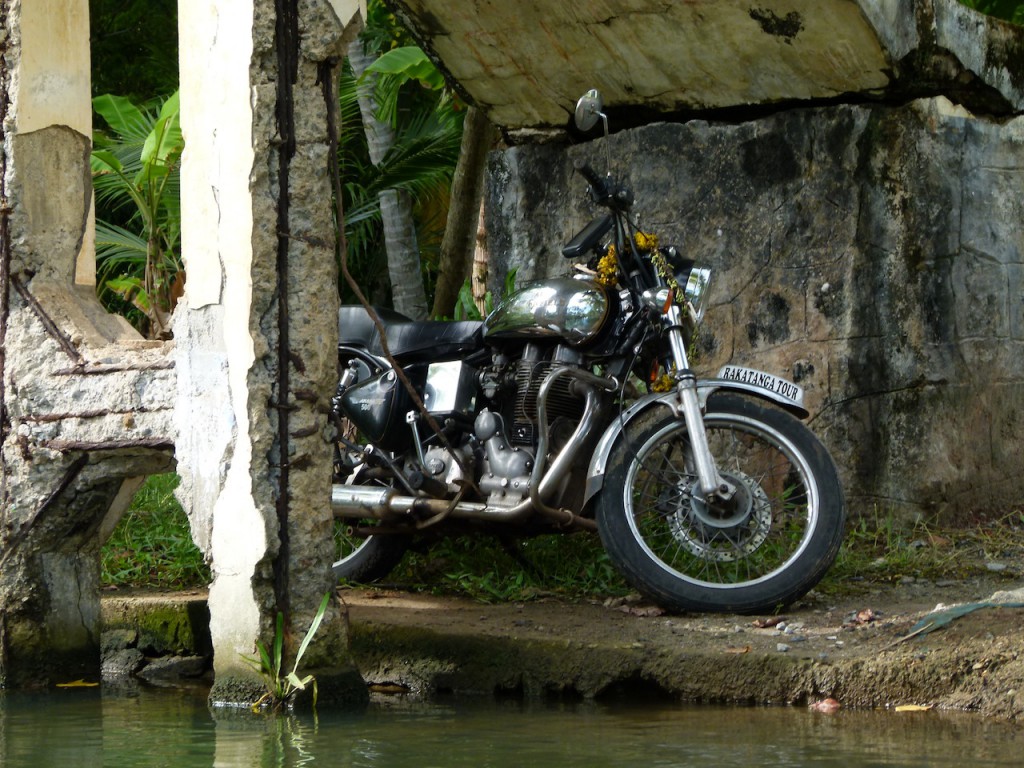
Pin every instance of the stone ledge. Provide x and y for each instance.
(422, 646)
(164, 623)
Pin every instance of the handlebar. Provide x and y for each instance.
(604, 190)
(618, 198)
(597, 184)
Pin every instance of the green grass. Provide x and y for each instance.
(486, 568)
(879, 549)
(152, 546)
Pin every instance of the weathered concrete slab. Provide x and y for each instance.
(525, 63)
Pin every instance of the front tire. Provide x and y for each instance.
(761, 551)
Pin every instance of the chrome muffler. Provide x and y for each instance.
(388, 504)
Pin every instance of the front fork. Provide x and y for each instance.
(712, 484)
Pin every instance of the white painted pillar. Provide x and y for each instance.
(265, 555)
(215, 349)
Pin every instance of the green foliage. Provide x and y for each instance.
(152, 548)
(465, 306)
(152, 545)
(1010, 10)
(421, 162)
(135, 166)
(134, 47)
(427, 123)
(383, 30)
(878, 548)
(283, 686)
(400, 66)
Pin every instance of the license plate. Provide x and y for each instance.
(787, 390)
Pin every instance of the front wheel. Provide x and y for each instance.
(360, 555)
(761, 550)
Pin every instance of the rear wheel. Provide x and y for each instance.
(359, 555)
(364, 558)
(762, 549)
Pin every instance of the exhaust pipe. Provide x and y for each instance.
(362, 501)
(388, 504)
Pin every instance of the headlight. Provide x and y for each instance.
(696, 290)
(694, 281)
(693, 278)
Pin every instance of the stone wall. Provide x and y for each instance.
(872, 253)
(85, 402)
(864, 225)
(240, 397)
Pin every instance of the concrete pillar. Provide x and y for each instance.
(256, 334)
(84, 401)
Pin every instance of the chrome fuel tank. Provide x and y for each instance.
(573, 311)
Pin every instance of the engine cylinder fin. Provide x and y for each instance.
(560, 403)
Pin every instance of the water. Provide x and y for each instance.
(147, 728)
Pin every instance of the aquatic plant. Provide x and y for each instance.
(282, 687)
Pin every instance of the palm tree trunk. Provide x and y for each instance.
(408, 294)
(478, 136)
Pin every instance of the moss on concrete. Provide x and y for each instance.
(165, 625)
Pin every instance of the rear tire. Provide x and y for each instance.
(358, 557)
(766, 548)
(364, 559)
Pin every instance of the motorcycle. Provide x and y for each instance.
(572, 406)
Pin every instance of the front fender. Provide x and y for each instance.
(670, 400)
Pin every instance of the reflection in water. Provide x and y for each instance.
(175, 728)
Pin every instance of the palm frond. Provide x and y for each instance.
(128, 121)
(422, 159)
(117, 248)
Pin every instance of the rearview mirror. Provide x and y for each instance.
(589, 109)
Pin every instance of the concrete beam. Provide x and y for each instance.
(84, 401)
(525, 63)
(86, 405)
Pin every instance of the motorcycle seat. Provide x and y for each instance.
(408, 340)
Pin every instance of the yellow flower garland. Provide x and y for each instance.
(608, 268)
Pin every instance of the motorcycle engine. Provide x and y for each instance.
(563, 409)
(510, 435)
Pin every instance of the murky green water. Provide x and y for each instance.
(143, 728)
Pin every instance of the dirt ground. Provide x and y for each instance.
(857, 651)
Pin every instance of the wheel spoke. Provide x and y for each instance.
(764, 546)
(733, 542)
